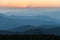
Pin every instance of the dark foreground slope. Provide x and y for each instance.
(29, 37)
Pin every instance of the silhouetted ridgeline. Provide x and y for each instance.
(46, 29)
(45, 32)
(29, 29)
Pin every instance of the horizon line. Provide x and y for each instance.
(29, 7)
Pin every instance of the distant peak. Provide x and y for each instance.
(1, 14)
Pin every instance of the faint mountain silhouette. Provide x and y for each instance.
(29, 29)
(48, 31)
(33, 31)
(2, 15)
(23, 28)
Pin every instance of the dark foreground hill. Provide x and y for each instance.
(29, 37)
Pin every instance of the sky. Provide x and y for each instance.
(29, 3)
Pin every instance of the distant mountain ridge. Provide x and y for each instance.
(29, 29)
(12, 21)
(23, 28)
(49, 31)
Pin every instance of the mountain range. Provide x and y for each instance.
(37, 30)
(29, 30)
(23, 25)
(12, 21)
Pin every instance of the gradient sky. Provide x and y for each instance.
(29, 3)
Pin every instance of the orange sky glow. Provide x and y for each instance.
(29, 3)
